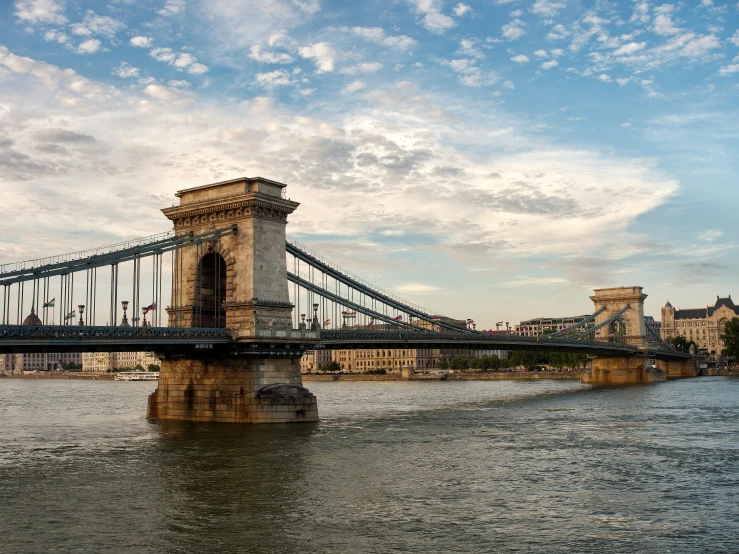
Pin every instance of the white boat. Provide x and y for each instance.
(137, 376)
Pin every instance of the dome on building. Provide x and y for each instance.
(32, 319)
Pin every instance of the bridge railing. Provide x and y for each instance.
(83, 333)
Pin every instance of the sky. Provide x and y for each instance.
(488, 159)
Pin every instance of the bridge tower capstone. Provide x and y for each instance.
(239, 282)
(615, 300)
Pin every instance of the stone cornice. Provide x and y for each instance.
(249, 200)
(247, 206)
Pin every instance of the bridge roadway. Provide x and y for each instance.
(73, 338)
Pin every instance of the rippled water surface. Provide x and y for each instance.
(491, 466)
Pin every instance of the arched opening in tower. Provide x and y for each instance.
(211, 291)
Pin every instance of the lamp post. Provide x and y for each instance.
(315, 325)
(81, 308)
(124, 321)
(302, 324)
(144, 324)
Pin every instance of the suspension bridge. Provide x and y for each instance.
(244, 303)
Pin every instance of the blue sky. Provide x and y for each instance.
(489, 159)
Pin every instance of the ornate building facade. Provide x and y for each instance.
(703, 326)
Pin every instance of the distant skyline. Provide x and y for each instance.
(494, 159)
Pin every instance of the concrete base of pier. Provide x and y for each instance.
(622, 371)
(677, 369)
(236, 390)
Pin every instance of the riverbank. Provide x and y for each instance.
(493, 376)
(64, 375)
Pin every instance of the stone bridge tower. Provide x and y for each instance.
(238, 282)
(615, 300)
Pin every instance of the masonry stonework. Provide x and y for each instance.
(239, 282)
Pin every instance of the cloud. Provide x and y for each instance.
(57, 135)
(322, 54)
(734, 39)
(663, 23)
(89, 46)
(467, 47)
(126, 71)
(558, 32)
(546, 8)
(141, 42)
(729, 70)
(172, 7)
(365, 67)
(520, 58)
(256, 53)
(52, 35)
(710, 235)
(462, 9)
(470, 75)
(431, 16)
(550, 64)
(630, 48)
(43, 12)
(160, 92)
(272, 79)
(181, 61)
(102, 25)
(514, 30)
(415, 288)
(353, 87)
(378, 36)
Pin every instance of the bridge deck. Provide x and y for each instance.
(72, 338)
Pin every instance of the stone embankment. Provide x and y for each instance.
(493, 376)
(64, 375)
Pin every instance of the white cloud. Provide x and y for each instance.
(181, 61)
(604, 77)
(265, 56)
(431, 16)
(353, 87)
(641, 13)
(40, 12)
(416, 288)
(272, 79)
(467, 47)
(550, 64)
(461, 9)
(735, 39)
(508, 85)
(89, 46)
(558, 32)
(623, 81)
(470, 75)
(513, 30)
(729, 69)
(322, 54)
(366, 67)
(540, 53)
(378, 35)
(160, 92)
(630, 48)
(126, 71)
(52, 35)
(102, 25)
(141, 42)
(663, 23)
(546, 8)
(520, 58)
(172, 7)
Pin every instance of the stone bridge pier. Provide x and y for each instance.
(631, 329)
(239, 282)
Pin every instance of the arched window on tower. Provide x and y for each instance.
(211, 291)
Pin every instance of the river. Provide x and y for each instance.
(427, 467)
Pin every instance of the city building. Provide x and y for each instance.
(101, 362)
(394, 360)
(704, 326)
(19, 363)
(653, 324)
(313, 360)
(539, 326)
